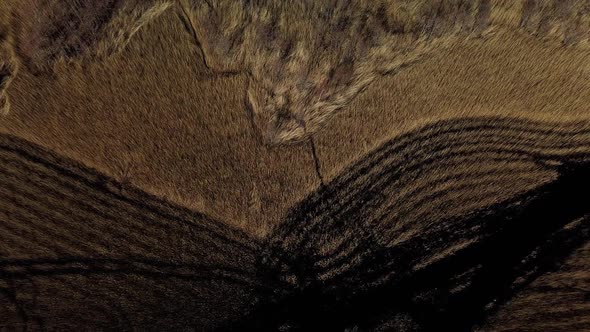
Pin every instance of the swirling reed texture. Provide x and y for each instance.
(470, 223)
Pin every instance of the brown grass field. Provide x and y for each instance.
(336, 165)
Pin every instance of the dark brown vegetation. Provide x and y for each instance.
(377, 248)
(556, 301)
(394, 236)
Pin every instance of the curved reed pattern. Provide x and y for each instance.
(436, 229)
(434, 223)
(74, 241)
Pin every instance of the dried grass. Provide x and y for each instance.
(8, 68)
(309, 59)
(186, 134)
(306, 59)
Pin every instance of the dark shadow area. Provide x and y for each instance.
(337, 265)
